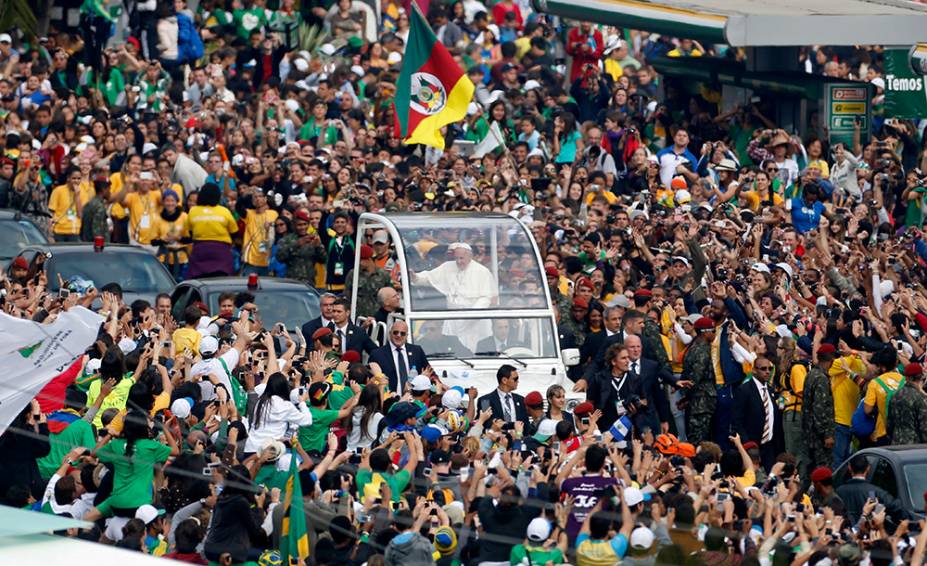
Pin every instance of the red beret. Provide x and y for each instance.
(827, 349)
(822, 473)
(704, 323)
(534, 399)
(20, 263)
(583, 408)
(581, 302)
(301, 214)
(324, 331)
(750, 444)
(643, 293)
(351, 356)
(551, 271)
(366, 252)
(913, 370)
(202, 306)
(585, 282)
(134, 42)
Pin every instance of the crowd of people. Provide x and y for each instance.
(748, 305)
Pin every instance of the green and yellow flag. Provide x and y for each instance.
(432, 90)
(294, 538)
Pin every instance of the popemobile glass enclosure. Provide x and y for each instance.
(474, 296)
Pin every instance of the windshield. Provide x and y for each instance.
(470, 262)
(485, 337)
(134, 272)
(292, 308)
(15, 236)
(916, 478)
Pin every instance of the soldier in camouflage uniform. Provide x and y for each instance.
(93, 216)
(701, 398)
(907, 412)
(562, 302)
(301, 251)
(370, 280)
(570, 324)
(817, 415)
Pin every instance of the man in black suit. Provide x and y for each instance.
(505, 404)
(500, 340)
(397, 357)
(352, 337)
(323, 320)
(653, 410)
(610, 389)
(754, 411)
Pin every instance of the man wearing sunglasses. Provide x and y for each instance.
(504, 402)
(754, 410)
(397, 357)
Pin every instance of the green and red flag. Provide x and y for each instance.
(432, 90)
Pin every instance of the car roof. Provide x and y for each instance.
(10, 214)
(65, 248)
(901, 453)
(241, 283)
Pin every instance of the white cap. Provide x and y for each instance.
(127, 345)
(180, 408)
(460, 246)
(633, 496)
(642, 538)
(394, 58)
(546, 429)
(209, 345)
(149, 147)
(682, 196)
(787, 268)
(886, 287)
(619, 300)
(275, 447)
(494, 96)
(327, 49)
(473, 108)
(291, 105)
(761, 267)
(783, 331)
(148, 513)
(93, 366)
(5, 37)
(878, 82)
(681, 259)
(380, 237)
(421, 383)
(358, 70)
(538, 529)
(692, 318)
(532, 84)
(451, 399)
(301, 65)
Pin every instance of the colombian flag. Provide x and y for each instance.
(432, 90)
(294, 539)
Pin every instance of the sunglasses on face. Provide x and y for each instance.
(399, 333)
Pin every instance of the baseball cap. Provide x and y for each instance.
(440, 456)
(433, 433)
(209, 345)
(546, 429)
(127, 345)
(633, 496)
(445, 540)
(538, 529)
(5, 38)
(146, 513)
(642, 538)
(275, 449)
(534, 399)
(421, 383)
(452, 399)
(380, 237)
(181, 408)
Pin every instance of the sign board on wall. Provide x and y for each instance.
(846, 104)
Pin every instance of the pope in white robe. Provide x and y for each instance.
(467, 285)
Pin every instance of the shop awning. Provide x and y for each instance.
(758, 22)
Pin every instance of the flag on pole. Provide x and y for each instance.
(294, 538)
(432, 90)
(33, 354)
(493, 139)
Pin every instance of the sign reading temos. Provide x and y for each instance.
(905, 95)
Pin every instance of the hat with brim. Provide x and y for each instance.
(546, 429)
(780, 138)
(726, 164)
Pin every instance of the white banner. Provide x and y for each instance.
(32, 354)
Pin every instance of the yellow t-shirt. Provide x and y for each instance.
(116, 182)
(844, 388)
(63, 205)
(213, 223)
(115, 400)
(178, 229)
(796, 382)
(613, 68)
(876, 396)
(257, 244)
(754, 199)
(186, 339)
(143, 211)
(747, 480)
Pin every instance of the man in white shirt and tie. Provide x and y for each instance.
(754, 412)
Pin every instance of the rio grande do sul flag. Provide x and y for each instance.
(432, 90)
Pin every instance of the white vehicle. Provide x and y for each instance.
(474, 296)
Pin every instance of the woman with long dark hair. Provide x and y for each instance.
(211, 226)
(25, 440)
(236, 521)
(365, 418)
(275, 412)
(567, 141)
(282, 227)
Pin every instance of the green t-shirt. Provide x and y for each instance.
(914, 214)
(132, 476)
(271, 477)
(534, 555)
(368, 483)
(339, 396)
(78, 433)
(313, 437)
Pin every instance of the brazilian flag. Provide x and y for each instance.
(294, 539)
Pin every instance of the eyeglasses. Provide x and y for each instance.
(763, 368)
(399, 333)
